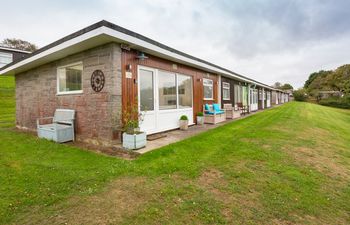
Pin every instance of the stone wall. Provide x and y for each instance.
(98, 114)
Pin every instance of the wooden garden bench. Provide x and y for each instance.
(243, 108)
(213, 114)
(231, 112)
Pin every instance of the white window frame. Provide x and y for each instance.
(156, 87)
(177, 91)
(208, 85)
(228, 88)
(58, 80)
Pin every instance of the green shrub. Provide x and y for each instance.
(183, 117)
(338, 102)
(300, 95)
(200, 114)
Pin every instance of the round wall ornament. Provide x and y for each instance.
(97, 80)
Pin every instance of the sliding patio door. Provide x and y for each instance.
(163, 97)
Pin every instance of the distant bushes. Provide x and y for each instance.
(338, 102)
(300, 95)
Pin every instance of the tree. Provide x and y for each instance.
(314, 75)
(19, 44)
(277, 85)
(300, 95)
(340, 79)
(336, 80)
(286, 87)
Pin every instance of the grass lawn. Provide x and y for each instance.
(290, 164)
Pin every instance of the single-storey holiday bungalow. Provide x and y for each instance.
(9, 55)
(103, 69)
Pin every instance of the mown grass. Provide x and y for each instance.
(289, 164)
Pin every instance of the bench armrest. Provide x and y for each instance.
(43, 118)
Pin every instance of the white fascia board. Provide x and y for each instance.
(13, 49)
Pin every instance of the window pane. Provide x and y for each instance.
(260, 94)
(73, 78)
(167, 90)
(208, 92)
(70, 78)
(235, 89)
(207, 82)
(226, 91)
(238, 94)
(185, 91)
(245, 95)
(208, 88)
(146, 90)
(5, 58)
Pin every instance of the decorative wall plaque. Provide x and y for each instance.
(128, 75)
(97, 80)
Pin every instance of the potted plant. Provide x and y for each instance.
(133, 138)
(200, 118)
(183, 122)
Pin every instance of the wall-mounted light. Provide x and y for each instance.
(199, 79)
(141, 56)
(128, 67)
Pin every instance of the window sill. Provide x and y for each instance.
(208, 99)
(69, 93)
(226, 99)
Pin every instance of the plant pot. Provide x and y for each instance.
(183, 124)
(134, 141)
(200, 120)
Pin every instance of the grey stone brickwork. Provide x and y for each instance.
(98, 113)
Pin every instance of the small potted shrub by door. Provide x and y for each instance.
(200, 118)
(183, 122)
(133, 138)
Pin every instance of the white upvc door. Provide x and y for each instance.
(268, 99)
(155, 119)
(146, 98)
(254, 99)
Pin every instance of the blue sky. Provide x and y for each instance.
(268, 40)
